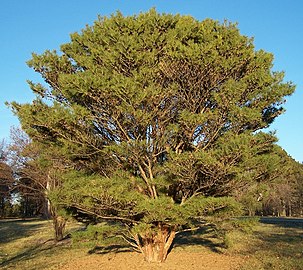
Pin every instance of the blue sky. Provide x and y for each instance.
(37, 25)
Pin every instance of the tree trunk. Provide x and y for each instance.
(59, 226)
(155, 246)
(283, 211)
(46, 209)
(289, 209)
(58, 223)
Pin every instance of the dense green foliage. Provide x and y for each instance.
(157, 120)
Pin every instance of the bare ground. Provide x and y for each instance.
(181, 260)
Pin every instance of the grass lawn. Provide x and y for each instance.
(275, 245)
(28, 244)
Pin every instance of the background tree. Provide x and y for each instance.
(276, 190)
(284, 192)
(6, 182)
(36, 169)
(27, 194)
(297, 206)
(158, 116)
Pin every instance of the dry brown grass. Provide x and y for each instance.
(28, 244)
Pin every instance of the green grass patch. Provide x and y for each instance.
(271, 246)
(28, 244)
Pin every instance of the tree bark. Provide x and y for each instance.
(155, 247)
(59, 226)
(46, 209)
(58, 223)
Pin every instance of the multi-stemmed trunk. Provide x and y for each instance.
(155, 246)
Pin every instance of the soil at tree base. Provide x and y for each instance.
(181, 260)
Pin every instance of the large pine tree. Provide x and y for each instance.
(159, 116)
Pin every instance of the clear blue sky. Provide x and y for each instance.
(37, 25)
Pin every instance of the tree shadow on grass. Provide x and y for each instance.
(283, 237)
(283, 222)
(275, 239)
(11, 230)
(204, 236)
(280, 238)
(275, 245)
(29, 253)
(116, 248)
